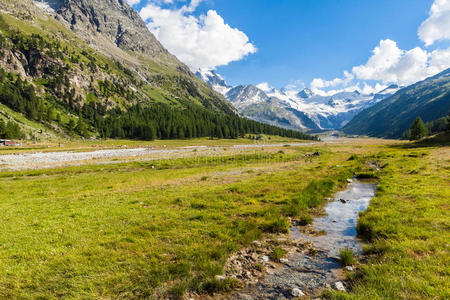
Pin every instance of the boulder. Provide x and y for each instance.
(296, 292)
(339, 286)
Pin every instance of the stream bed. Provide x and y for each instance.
(312, 272)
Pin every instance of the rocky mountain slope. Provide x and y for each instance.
(301, 110)
(390, 118)
(72, 65)
(91, 68)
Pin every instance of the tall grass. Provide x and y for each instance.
(347, 257)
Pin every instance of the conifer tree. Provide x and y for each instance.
(418, 130)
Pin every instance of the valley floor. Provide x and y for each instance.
(158, 227)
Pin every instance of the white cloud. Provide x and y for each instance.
(388, 64)
(264, 86)
(437, 26)
(319, 83)
(391, 64)
(200, 42)
(133, 2)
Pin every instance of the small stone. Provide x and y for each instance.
(339, 286)
(265, 258)
(256, 243)
(349, 180)
(220, 277)
(296, 292)
(349, 268)
(284, 260)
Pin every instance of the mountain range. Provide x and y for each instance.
(299, 110)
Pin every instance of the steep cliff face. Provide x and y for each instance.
(115, 19)
(110, 24)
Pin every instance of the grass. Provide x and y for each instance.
(277, 253)
(347, 257)
(132, 231)
(407, 227)
(77, 145)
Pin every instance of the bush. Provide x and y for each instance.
(347, 257)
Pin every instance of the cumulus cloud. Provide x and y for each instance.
(264, 86)
(200, 42)
(319, 83)
(133, 2)
(437, 26)
(388, 64)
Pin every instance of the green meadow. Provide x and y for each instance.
(159, 229)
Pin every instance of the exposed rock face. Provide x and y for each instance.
(115, 19)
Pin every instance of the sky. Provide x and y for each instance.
(325, 45)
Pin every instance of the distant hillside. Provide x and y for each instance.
(92, 68)
(428, 99)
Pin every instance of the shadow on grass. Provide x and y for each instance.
(441, 139)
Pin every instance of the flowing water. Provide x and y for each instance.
(311, 273)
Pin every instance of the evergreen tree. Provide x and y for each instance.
(2, 129)
(418, 130)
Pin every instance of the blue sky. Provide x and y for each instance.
(283, 42)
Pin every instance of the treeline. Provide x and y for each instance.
(165, 122)
(439, 125)
(20, 96)
(10, 130)
(419, 129)
(158, 121)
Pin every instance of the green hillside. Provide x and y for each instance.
(55, 79)
(428, 99)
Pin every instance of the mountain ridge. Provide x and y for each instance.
(301, 110)
(390, 118)
(103, 83)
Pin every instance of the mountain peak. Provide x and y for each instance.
(305, 93)
(106, 25)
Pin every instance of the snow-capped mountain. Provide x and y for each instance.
(214, 80)
(301, 110)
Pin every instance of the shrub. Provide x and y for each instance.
(347, 257)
